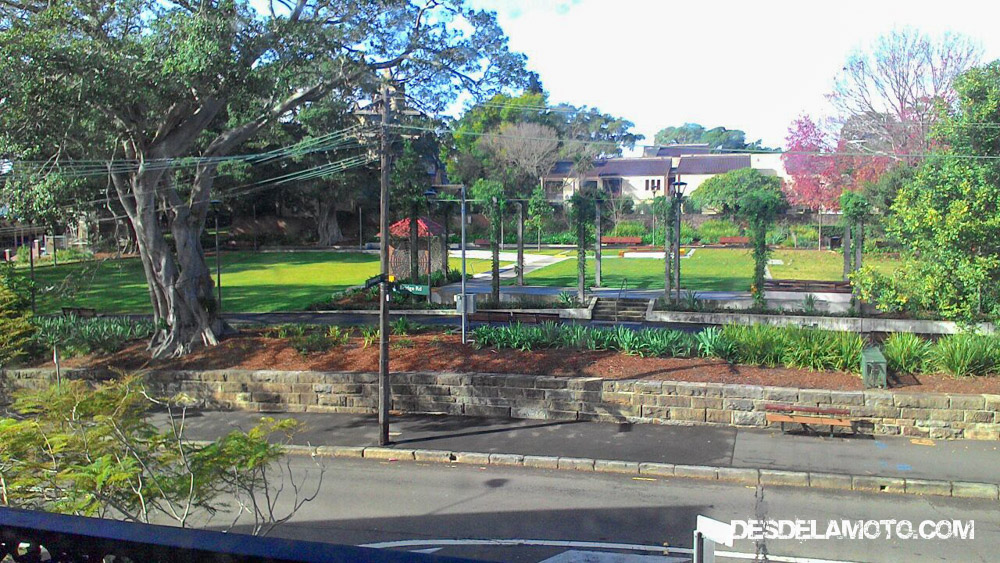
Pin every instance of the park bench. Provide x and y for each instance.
(734, 240)
(806, 416)
(79, 312)
(481, 242)
(621, 240)
(813, 286)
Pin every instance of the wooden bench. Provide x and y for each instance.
(813, 286)
(481, 242)
(79, 312)
(734, 240)
(621, 240)
(807, 416)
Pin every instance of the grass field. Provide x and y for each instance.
(707, 269)
(257, 283)
(820, 264)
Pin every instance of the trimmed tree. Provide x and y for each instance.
(755, 199)
(581, 214)
(491, 195)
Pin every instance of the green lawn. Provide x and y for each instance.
(820, 264)
(706, 269)
(258, 283)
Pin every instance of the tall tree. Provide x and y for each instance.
(155, 86)
(524, 152)
(888, 96)
(946, 219)
(814, 182)
(581, 215)
(717, 138)
(410, 182)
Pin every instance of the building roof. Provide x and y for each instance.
(425, 228)
(676, 150)
(712, 164)
(616, 167)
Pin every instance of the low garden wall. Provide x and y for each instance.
(939, 416)
(846, 324)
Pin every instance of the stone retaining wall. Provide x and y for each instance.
(939, 416)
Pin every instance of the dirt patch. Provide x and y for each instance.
(445, 353)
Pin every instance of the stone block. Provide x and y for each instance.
(980, 416)
(830, 481)
(657, 469)
(775, 477)
(608, 466)
(738, 404)
(847, 398)
(676, 400)
(741, 418)
(982, 432)
(922, 400)
(340, 451)
(964, 489)
(781, 394)
(576, 463)
(718, 416)
(814, 397)
(432, 456)
(472, 458)
(695, 472)
(739, 391)
(648, 387)
(388, 454)
(541, 461)
(689, 414)
(662, 413)
(705, 403)
(506, 459)
(928, 487)
(743, 475)
(878, 484)
(968, 402)
(539, 413)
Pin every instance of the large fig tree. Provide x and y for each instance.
(154, 94)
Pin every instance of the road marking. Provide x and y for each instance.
(543, 543)
(922, 441)
(589, 545)
(643, 479)
(775, 558)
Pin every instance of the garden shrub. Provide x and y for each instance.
(805, 235)
(16, 330)
(310, 343)
(77, 336)
(629, 229)
(906, 353)
(710, 231)
(961, 355)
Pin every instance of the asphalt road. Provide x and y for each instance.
(538, 515)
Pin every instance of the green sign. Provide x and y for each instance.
(415, 289)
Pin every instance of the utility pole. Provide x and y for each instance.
(384, 396)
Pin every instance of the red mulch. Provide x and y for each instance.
(440, 352)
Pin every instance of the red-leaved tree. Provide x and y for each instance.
(816, 179)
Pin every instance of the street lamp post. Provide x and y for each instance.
(678, 199)
(218, 257)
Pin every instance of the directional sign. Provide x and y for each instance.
(415, 288)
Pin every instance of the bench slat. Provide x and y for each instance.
(824, 421)
(814, 410)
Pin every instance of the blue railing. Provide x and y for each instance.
(25, 535)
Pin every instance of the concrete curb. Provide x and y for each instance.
(746, 476)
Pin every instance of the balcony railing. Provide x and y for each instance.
(27, 536)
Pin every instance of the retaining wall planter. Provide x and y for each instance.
(938, 416)
(850, 324)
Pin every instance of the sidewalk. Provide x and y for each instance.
(719, 447)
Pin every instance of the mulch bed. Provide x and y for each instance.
(445, 353)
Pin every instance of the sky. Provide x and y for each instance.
(750, 65)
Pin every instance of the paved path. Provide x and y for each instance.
(958, 460)
(532, 262)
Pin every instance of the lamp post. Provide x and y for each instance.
(678, 199)
(465, 303)
(218, 257)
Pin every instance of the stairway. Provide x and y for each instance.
(627, 310)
